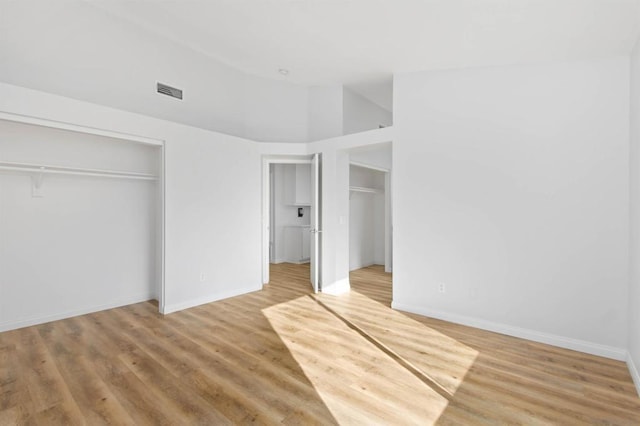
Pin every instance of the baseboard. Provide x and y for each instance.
(536, 336)
(13, 325)
(175, 307)
(338, 287)
(295, 262)
(365, 265)
(633, 370)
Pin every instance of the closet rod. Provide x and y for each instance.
(365, 189)
(62, 170)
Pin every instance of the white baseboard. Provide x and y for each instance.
(295, 262)
(365, 265)
(338, 287)
(536, 336)
(634, 372)
(175, 307)
(13, 325)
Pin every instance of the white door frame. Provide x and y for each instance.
(267, 161)
(388, 239)
(160, 143)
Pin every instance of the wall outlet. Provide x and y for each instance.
(442, 288)
(202, 277)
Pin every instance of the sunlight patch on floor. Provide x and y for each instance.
(363, 373)
(438, 356)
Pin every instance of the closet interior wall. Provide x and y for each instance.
(84, 242)
(366, 217)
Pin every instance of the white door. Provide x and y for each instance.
(316, 222)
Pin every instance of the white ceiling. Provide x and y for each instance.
(361, 43)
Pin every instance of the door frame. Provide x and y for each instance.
(126, 137)
(267, 161)
(388, 238)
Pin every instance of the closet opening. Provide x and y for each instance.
(291, 214)
(81, 221)
(370, 216)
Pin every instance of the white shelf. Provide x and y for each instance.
(63, 170)
(365, 189)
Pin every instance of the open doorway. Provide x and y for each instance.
(291, 214)
(366, 217)
(370, 214)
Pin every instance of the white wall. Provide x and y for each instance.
(365, 177)
(285, 214)
(325, 112)
(206, 217)
(361, 230)
(511, 187)
(360, 114)
(335, 201)
(366, 230)
(275, 111)
(366, 219)
(634, 215)
(88, 243)
(377, 156)
(42, 50)
(379, 229)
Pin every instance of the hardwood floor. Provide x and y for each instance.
(283, 355)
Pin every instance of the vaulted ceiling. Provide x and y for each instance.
(358, 43)
(363, 42)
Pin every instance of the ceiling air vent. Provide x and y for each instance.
(169, 91)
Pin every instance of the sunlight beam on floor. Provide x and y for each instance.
(345, 338)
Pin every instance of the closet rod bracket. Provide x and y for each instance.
(36, 183)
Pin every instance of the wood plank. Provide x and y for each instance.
(285, 356)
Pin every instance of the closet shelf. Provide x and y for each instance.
(63, 170)
(365, 189)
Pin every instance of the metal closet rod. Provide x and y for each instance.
(63, 170)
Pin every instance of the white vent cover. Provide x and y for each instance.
(169, 91)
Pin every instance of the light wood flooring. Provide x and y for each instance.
(286, 356)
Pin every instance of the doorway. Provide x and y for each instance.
(291, 226)
(370, 213)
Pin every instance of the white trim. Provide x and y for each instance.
(297, 262)
(633, 370)
(160, 143)
(339, 287)
(168, 309)
(19, 118)
(287, 159)
(366, 190)
(12, 325)
(533, 335)
(75, 171)
(368, 166)
(163, 227)
(267, 160)
(345, 142)
(366, 265)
